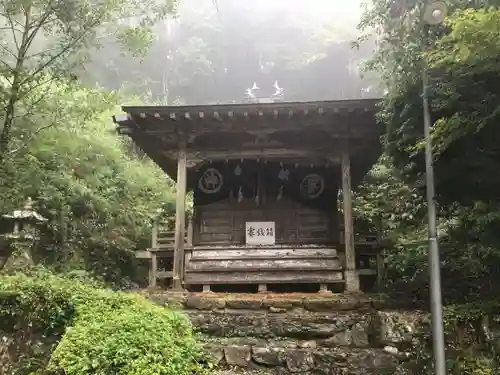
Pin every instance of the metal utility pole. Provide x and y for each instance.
(433, 12)
(438, 344)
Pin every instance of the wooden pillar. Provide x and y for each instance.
(154, 235)
(180, 215)
(380, 269)
(153, 270)
(190, 232)
(380, 256)
(153, 264)
(351, 276)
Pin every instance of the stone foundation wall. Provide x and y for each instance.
(335, 335)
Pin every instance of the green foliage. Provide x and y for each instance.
(462, 61)
(48, 39)
(384, 197)
(463, 67)
(81, 329)
(464, 98)
(99, 196)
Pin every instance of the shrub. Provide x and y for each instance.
(57, 324)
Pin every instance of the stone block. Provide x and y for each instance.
(237, 355)
(214, 353)
(359, 336)
(299, 361)
(273, 309)
(271, 357)
(396, 328)
(243, 304)
(305, 329)
(374, 359)
(200, 303)
(331, 362)
(330, 305)
(281, 304)
(311, 344)
(342, 338)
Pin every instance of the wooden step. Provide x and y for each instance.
(275, 276)
(243, 265)
(262, 257)
(275, 252)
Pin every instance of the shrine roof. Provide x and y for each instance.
(176, 112)
(252, 130)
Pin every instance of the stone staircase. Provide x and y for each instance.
(302, 334)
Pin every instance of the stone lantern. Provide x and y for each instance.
(20, 233)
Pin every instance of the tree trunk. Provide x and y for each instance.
(10, 110)
(8, 122)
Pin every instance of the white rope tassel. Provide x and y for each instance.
(280, 194)
(240, 194)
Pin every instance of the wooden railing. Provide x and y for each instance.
(163, 237)
(161, 252)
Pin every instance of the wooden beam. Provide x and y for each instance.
(164, 274)
(234, 125)
(180, 214)
(248, 154)
(351, 277)
(143, 254)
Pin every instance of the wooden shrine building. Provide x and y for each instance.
(266, 179)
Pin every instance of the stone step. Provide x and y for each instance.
(301, 333)
(316, 302)
(334, 361)
(286, 343)
(359, 329)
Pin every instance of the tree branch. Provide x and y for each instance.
(24, 93)
(13, 29)
(29, 108)
(27, 141)
(40, 23)
(40, 53)
(62, 52)
(9, 52)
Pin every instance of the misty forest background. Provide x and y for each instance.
(101, 194)
(67, 66)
